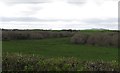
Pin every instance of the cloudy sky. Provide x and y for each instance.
(59, 14)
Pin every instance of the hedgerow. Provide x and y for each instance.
(23, 35)
(20, 62)
(99, 39)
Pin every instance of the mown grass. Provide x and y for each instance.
(60, 47)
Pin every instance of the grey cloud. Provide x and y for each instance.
(34, 19)
(99, 21)
(32, 10)
(78, 2)
(25, 1)
(9, 19)
(82, 2)
(30, 19)
(113, 0)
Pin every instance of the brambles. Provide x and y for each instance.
(19, 62)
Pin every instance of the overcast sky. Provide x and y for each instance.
(59, 14)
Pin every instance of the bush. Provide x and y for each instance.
(36, 35)
(106, 40)
(115, 40)
(79, 38)
(102, 39)
(22, 36)
(91, 40)
(98, 39)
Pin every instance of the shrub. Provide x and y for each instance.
(102, 39)
(22, 36)
(98, 39)
(36, 35)
(106, 40)
(79, 38)
(14, 35)
(115, 40)
(91, 40)
(110, 39)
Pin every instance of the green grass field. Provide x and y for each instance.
(58, 47)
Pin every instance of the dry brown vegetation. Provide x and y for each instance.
(99, 39)
(18, 35)
(95, 38)
(79, 38)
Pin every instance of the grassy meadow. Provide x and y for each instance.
(58, 47)
(96, 48)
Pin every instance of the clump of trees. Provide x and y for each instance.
(98, 39)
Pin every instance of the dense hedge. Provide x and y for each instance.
(19, 62)
(18, 35)
(100, 39)
(93, 38)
